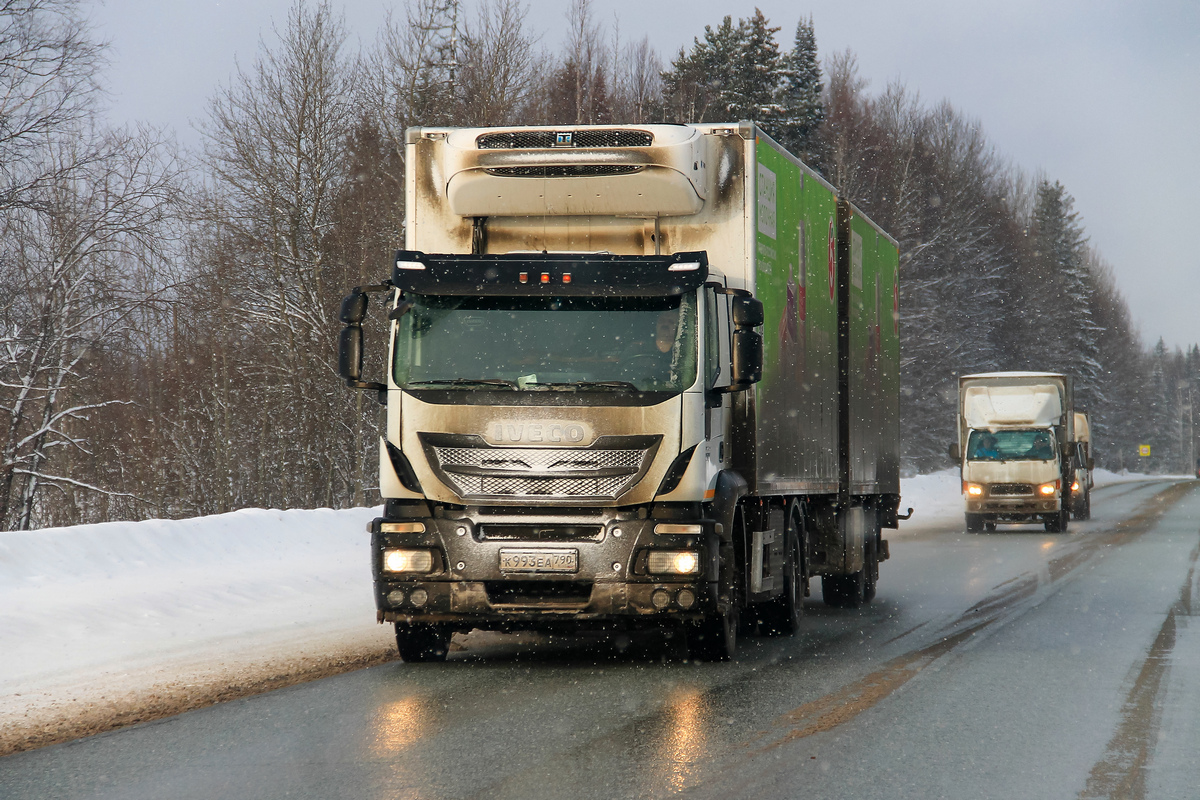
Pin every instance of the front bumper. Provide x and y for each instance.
(1013, 508)
(610, 587)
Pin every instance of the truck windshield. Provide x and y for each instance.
(547, 343)
(1014, 445)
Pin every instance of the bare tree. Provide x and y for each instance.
(48, 69)
(74, 266)
(498, 66)
(636, 83)
(276, 148)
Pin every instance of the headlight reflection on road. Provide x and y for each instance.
(398, 725)
(684, 736)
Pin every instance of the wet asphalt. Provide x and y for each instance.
(1013, 664)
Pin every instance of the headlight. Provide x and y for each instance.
(407, 560)
(673, 562)
(1075, 486)
(973, 489)
(1048, 488)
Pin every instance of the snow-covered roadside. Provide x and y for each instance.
(96, 620)
(106, 624)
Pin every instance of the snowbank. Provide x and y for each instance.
(94, 611)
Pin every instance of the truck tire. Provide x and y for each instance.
(781, 616)
(422, 643)
(974, 523)
(858, 588)
(1057, 523)
(843, 591)
(714, 638)
(871, 567)
(1083, 510)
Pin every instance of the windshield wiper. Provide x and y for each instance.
(574, 385)
(467, 382)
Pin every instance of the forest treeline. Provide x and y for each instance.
(169, 314)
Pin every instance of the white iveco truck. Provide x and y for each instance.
(639, 377)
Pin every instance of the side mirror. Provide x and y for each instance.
(747, 312)
(952, 451)
(350, 352)
(354, 307)
(747, 357)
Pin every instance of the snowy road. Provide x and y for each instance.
(1010, 664)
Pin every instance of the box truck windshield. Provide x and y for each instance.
(1011, 445)
(541, 343)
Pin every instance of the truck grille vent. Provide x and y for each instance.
(565, 171)
(516, 140)
(476, 470)
(538, 593)
(1010, 489)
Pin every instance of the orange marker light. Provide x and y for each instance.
(545, 277)
(524, 277)
(566, 277)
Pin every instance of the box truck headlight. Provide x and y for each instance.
(1048, 489)
(673, 562)
(396, 560)
(973, 489)
(1075, 486)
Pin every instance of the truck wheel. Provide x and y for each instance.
(974, 523)
(843, 591)
(781, 616)
(989, 526)
(1084, 509)
(1057, 523)
(421, 643)
(871, 567)
(714, 638)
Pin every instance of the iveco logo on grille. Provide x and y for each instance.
(564, 139)
(539, 432)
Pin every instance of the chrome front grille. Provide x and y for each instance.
(601, 137)
(477, 470)
(565, 171)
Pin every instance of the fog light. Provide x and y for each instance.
(686, 598)
(395, 597)
(407, 560)
(678, 562)
(418, 597)
(660, 599)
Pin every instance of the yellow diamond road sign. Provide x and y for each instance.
(1143, 449)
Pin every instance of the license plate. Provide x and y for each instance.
(539, 560)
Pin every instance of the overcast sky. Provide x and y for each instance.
(1102, 95)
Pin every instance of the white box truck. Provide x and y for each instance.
(639, 376)
(1016, 448)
